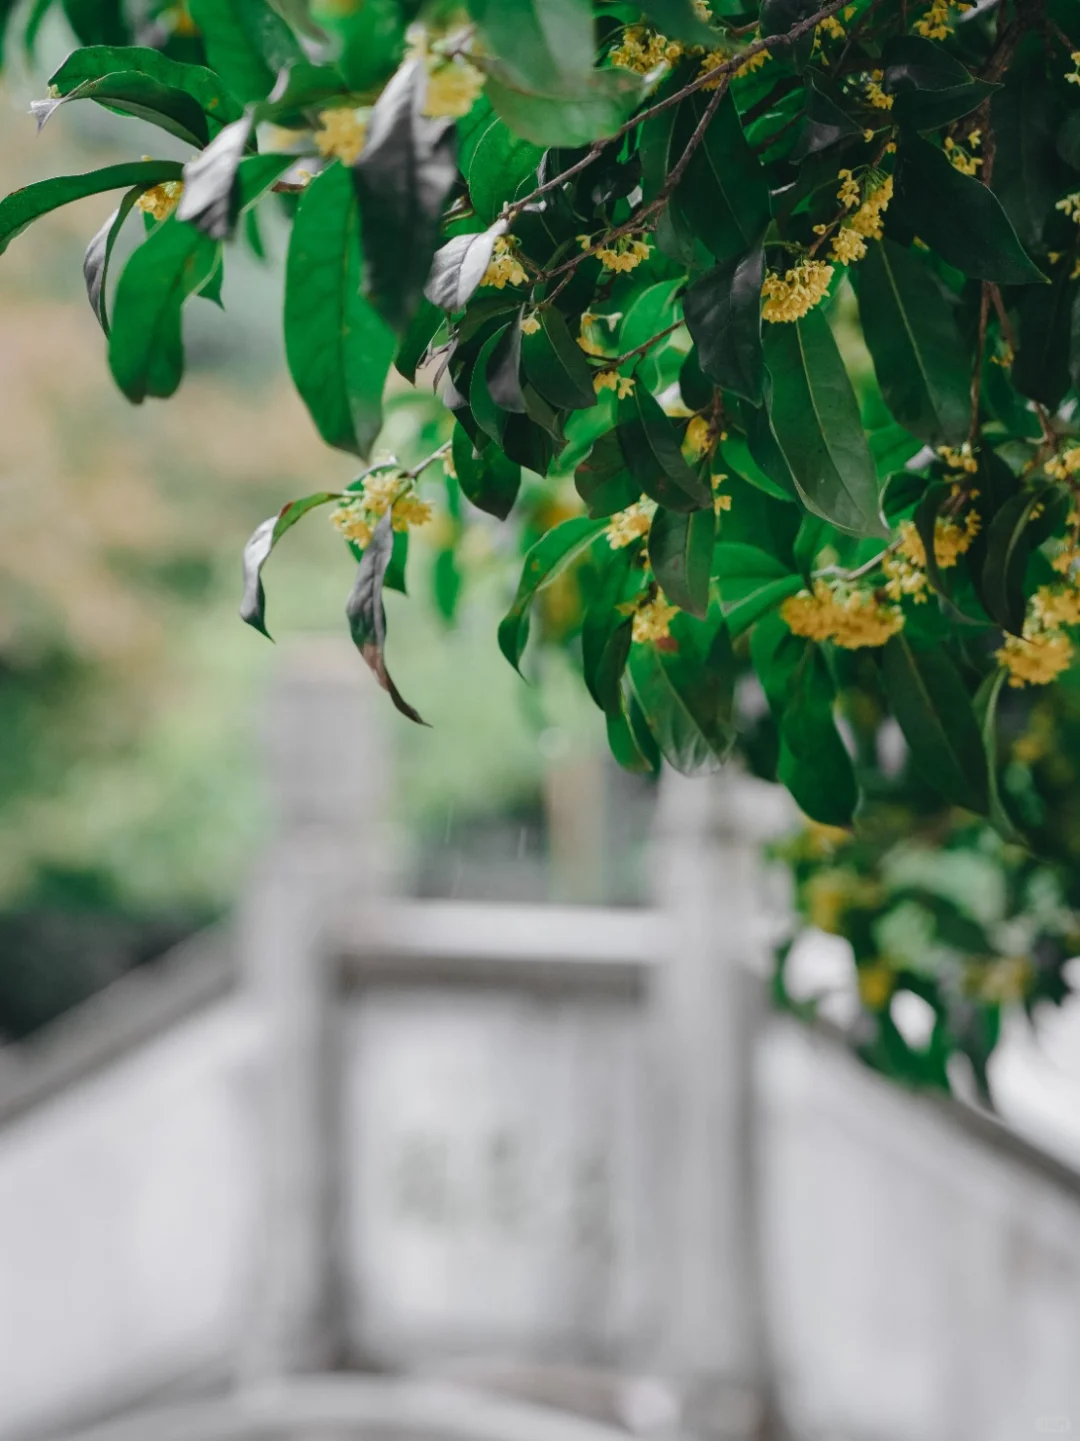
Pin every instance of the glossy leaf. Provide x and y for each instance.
(597, 105)
(146, 349)
(555, 364)
(548, 558)
(367, 615)
(543, 43)
(501, 167)
(1009, 540)
(486, 476)
(650, 448)
(751, 582)
(1041, 366)
(257, 553)
(606, 631)
(132, 93)
(680, 554)
(921, 363)
(1025, 115)
(99, 253)
(631, 742)
(247, 43)
(22, 207)
(935, 714)
(338, 349)
(814, 763)
(723, 314)
(930, 87)
(94, 62)
(826, 120)
(458, 267)
(816, 421)
(403, 177)
(724, 194)
(603, 480)
(686, 692)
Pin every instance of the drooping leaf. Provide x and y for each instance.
(957, 216)
(257, 553)
(986, 705)
(680, 554)
(548, 558)
(723, 314)
(920, 361)
(339, 351)
(826, 120)
(458, 267)
(247, 43)
(606, 631)
(501, 167)
(486, 476)
(631, 742)
(816, 421)
(930, 87)
(542, 43)
(367, 615)
(99, 253)
(503, 370)
(603, 480)
(403, 177)
(95, 62)
(208, 201)
(1025, 116)
(146, 349)
(1009, 541)
(132, 93)
(814, 763)
(686, 692)
(22, 207)
(555, 364)
(1041, 366)
(418, 341)
(927, 696)
(750, 582)
(650, 448)
(724, 194)
(596, 107)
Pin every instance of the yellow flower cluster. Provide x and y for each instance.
(850, 193)
(161, 200)
(848, 246)
(341, 135)
(1053, 608)
(1060, 467)
(721, 57)
(832, 27)
(409, 511)
(936, 24)
(355, 519)
(643, 49)
(867, 219)
(905, 568)
(530, 324)
(625, 527)
(700, 436)
(652, 620)
(962, 159)
(848, 616)
(353, 523)
(1074, 77)
(453, 88)
(960, 458)
(877, 97)
(1035, 659)
(720, 502)
(791, 296)
(1070, 206)
(625, 254)
(622, 385)
(504, 267)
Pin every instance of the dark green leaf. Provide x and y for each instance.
(759, 459)
(502, 167)
(338, 349)
(94, 62)
(778, 17)
(957, 216)
(97, 22)
(367, 615)
(403, 177)
(1041, 367)
(99, 253)
(930, 88)
(934, 711)
(816, 421)
(686, 690)
(632, 745)
(723, 194)
(602, 479)
(1024, 118)
(417, 340)
(605, 632)
(247, 43)
(486, 476)
(826, 120)
(548, 558)
(22, 207)
(921, 363)
(503, 370)
(488, 416)
(257, 552)
(555, 364)
(986, 704)
(146, 348)
(680, 553)
(542, 43)
(458, 267)
(814, 763)
(651, 451)
(132, 93)
(680, 20)
(597, 105)
(751, 582)
(723, 314)
(748, 611)
(299, 88)
(1009, 542)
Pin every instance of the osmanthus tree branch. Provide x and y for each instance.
(646, 345)
(720, 72)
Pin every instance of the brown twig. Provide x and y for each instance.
(642, 348)
(976, 374)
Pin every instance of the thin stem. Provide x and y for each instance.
(976, 374)
(642, 348)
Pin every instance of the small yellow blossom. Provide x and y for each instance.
(504, 267)
(905, 568)
(453, 88)
(755, 62)
(530, 325)
(850, 617)
(1060, 467)
(449, 467)
(410, 511)
(652, 620)
(380, 491)
(341, 134)
(642, 49)
(625, 527)
(1074, 77)
(161, 200)
(699, 436)
(720, 501)
(849, 194)
(962, 160)
(848, 246)
(877, 97)
(1037, 659)
(1070, 206)
(936, 23)
(790, 296)
(622, 385)
(625, 254)
(1052, 608)
(353, 524)
(832, 27)
(868, 135)
(960, 458)
(867, 219)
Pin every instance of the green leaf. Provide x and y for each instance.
(372, 37)
(598, 104)
(146, 348)
(22, 207)
(338, 349)
(488, 416)
(751, 582)
(748, 611)
(778, 17)
(929, 87)
(299, 88)
(1025, 116)
(826, 120)
(131, 93)
(934, 711)
(403, 177)
(606, 631)
(485, 475)
(724, 194)
(986, 704)
(210, 200)
(1040, 369)
(503, 370)
(257, 553)
(758, 459)
(417, 341)
(650, 448)
(680, 20)
(97, 22)
(723, 314)
(548, 558)
(99, 253)
(1009, 542)
(816, 421)
(957, 216)
(630, 741)
(247, 43)
(680, 553)
(95, 62)
(367, 615)
(686, 690)
(458, 267)
(540, 42)
(502, 167)
(555, 364)
(602, 479)
(921, 363)
(814, 763)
